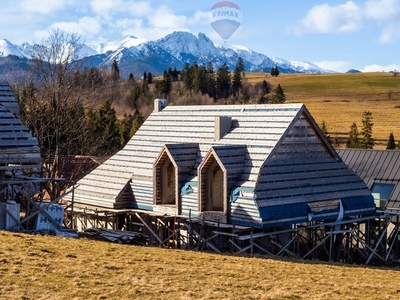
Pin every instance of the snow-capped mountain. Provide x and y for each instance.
(174, 50)
(126, 42)
(7, 48)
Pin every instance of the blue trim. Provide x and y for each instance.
(186, 188)
(247, 224)
(235, 194)
(140, 206)
(298, 213)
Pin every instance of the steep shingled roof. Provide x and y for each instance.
(18, 147)
(286, 164)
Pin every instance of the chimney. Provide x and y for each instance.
(221, 125)
(160, 104)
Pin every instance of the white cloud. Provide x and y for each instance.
(324, 18)
(159, 23)
(338, 66)
(86, 26)
(350, 17)
(201, 17)
(382, 10)
(107, 8)
(163, 17)
(140, 8)
(42, 6)
(380, 68)
(390, 33)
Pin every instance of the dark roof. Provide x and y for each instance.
(376, 166)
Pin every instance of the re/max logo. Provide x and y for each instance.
(226, 14)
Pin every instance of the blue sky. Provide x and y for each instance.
(337, 35)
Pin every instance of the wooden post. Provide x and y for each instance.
(251, 242)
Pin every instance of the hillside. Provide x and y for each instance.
(337, 99)
(340, 100)
(37, 267)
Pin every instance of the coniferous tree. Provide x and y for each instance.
(263, 99)
(149, 78)
(353, 140)
(125, 128)
(244, 95)
(164, 85)
(196, 78)
(274, 71)
(278, 96)
(137, 122)
(366, 131)
(210, 81)
(131, 80)
(186, 76)
(105, 128)
(335, 142)
(324, 130)
(223, 81)
(115, 71)
(174, 75)
(237, 77)
(170, 72)
(391, 144)
(265, 88)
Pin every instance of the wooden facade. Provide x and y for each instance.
(250, 165)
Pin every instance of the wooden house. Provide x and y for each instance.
(251, 165)
(380, 169)
(19, 149)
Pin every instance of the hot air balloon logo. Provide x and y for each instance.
(226, 17)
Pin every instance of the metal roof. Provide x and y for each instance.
(376, 166)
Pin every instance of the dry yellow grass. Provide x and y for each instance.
(340, 100)
(37, 267)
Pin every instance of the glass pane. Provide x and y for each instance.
(382, 191)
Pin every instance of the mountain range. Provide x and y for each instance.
(174, 50)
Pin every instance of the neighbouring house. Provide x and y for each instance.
(251, 165)
(380, 169)
(19, 149)
(19, 152)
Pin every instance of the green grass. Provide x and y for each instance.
(37, 267)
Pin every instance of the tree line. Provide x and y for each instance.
(70, 108)
(361, 139)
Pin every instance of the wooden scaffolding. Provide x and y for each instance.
(366, 240)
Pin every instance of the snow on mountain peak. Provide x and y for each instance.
(7, 48)
(126, 42)
(173, 50)
(179, 43)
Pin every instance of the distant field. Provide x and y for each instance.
(36, 267)
(340, 100)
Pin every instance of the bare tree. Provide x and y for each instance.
(51, 104)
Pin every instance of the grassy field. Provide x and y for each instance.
(37, 267)
(340, 100)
